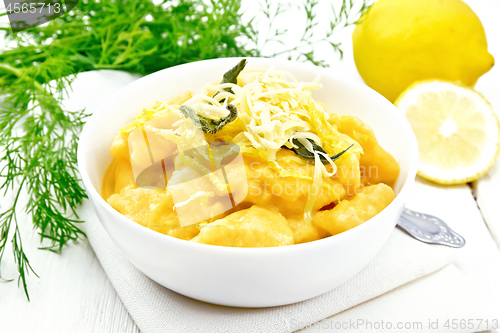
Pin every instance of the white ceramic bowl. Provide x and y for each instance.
(247, 277)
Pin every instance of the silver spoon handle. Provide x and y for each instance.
(429, 229)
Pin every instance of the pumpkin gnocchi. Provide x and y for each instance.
(252, 161)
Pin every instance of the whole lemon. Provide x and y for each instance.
(399, 42)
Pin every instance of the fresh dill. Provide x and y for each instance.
(38, 138)
(317, 29)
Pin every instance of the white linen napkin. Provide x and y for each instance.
(157, 309)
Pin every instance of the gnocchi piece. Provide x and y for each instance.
(134, 202)
(288, 194)
(377, 165)
(304, 232)
(253, 227)
(163, 219)
(355, 211)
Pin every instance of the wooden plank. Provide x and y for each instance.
(487, 189)
(73, 293)
(487, 192)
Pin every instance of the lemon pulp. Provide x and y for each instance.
(456, 129)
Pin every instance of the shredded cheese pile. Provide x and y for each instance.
(273, 109)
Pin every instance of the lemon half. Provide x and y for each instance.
(457, 131)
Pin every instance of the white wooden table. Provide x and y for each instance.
(73, 293)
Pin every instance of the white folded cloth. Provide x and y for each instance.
(401, 260)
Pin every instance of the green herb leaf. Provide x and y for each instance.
(302, 151)
(207, 125)
(231, 76)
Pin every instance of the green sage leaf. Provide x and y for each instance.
(302, 151)
(231, 76)
(207, 125)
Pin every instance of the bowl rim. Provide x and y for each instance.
(96, 198)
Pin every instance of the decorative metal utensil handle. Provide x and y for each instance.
(429, 229)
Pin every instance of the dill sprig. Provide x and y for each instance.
(39, 141)
(38, 138)
(318, 29)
